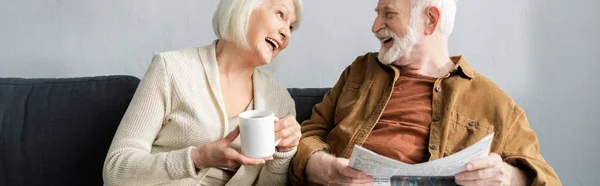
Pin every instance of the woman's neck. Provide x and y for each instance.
(231, 62)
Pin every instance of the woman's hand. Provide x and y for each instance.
(220, 154)
(288, 130)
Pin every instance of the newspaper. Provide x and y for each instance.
(385, 170)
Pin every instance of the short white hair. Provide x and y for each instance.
(230, 21)
(447, 10)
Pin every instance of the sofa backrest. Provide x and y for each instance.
(305, 99)
(58, 131)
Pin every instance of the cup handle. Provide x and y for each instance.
(278, 140)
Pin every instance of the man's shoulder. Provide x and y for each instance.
(369, 58)
(365, 64)
(486, 88)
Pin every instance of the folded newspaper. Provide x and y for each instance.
(386, 171)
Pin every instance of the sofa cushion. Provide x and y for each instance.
(305, 99)
(58, 131)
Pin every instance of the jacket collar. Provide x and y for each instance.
(461, 66)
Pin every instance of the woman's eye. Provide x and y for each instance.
(280, 15)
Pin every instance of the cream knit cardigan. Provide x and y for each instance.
(177, 107)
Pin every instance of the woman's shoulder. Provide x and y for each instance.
(272, 86)
(182, 61)
(269, 81)
(278, 98)
(181, 55)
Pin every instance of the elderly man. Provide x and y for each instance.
(414, 103)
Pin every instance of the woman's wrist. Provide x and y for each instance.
(197, 158)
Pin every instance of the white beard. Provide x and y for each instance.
(401, 46)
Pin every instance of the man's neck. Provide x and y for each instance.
(435, 66)
(429, 58)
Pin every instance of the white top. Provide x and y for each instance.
(177, 107)
(234, 122)
(220, 176)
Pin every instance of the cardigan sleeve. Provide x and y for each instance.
(129, 161)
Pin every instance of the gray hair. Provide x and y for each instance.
(230, 21)
(447, 11)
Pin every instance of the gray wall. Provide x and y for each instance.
(543, 53)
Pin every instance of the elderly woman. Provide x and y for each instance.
(181, 126)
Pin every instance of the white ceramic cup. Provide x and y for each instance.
(257, 133)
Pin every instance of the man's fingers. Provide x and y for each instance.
(476, 175)
(342, 174)
(484, 162)
(479, 182)
(343, 168)
(351, 181)
(364, 180)
(344, 180)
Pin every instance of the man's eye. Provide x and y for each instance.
(390, 14)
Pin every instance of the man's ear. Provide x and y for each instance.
(432, 19)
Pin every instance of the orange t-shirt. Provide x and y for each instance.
(402, 132)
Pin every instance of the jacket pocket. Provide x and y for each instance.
(352, 95)
(465, 132)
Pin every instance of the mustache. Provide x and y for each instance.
(385, 33)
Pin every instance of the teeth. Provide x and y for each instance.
(272, 41)
(385, 40)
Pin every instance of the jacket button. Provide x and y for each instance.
(433, 147)
(356, 86)
(438, 89)
(471, 123)
(436, 119)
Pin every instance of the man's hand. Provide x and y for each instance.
(325, 169)
(490, 170)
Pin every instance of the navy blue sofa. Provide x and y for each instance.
(58, 131)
